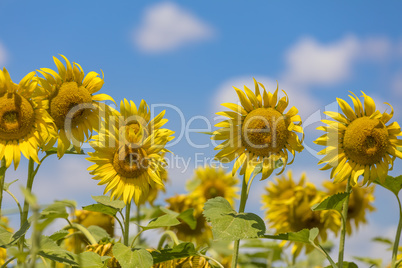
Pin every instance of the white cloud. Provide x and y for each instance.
(3, 55)
(397, 84)
(166, 26)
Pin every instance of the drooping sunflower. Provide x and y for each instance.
(258, 132)
(73, 105)
(210, 182)
(360, 202)
(358, 143)
(25, 126)
(202, 234)
(287, 207)
(88, 218)
(129, 152)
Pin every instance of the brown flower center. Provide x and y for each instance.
(16, 116)
(129, 162)
(365, 141)
(264, 131)
(70, 102)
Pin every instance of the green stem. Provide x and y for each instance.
(25, 210)
(343, 228)
(7, 262)
(138, 219)
(2, 179)
(136, 236)
(16, 201)
(397, 236)
(243, 200)
(165, 235)
(35, 235)
(83, 230)
(212, 259)
(127, 224)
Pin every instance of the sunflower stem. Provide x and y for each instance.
(165, 235)
(2, 179)
(343, 228)
(127, 223)
(397, 236)
(138, 219)
(243, 200)
(25, 209)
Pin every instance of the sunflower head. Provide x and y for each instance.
(258, 132)
(104, 249)
(25, 126)
(288, 205)
(73, 104)
(129, 152)
(360, 202)
(202, 234)
(210, 182)
(193, 261)
(359, 142)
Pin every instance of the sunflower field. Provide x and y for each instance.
(94, 176)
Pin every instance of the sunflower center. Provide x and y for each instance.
(129, 162)
(69, 96)
(365, 141)
(16, 116)
(212, 192)
(264, 131)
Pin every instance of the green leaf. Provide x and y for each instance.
(105, 200)
(29, 197)
(227, 224)
(169, 219)
(370, 261)
(54, 211)
(7, 185)
(334, 202)
(303, 236)
(394, 184)
(129, 258)
(22, 231)
(182, 250)
(102, 208)
(90, 260)
(70, 150)
(59, 235)
(382, 240)
(50, 250)
(346, 265)
(5, 236)
(98, 233)
(188, 217)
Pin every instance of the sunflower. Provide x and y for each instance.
(202, 234)
(210, 182)
(25, 126)
(358, 142)
(129, 152)
(258, 132)
(75, 109)
(360, 201)
(193, 261)
(287, 207)
(154, 191)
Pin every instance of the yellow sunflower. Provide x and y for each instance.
(25, 126)
(210, 182)
(287, 207)
(258, 132)
(154, 191)
(73, 106)
(358, 142)
(104, 249)
(360, 201)
(193, 261)
(202, 234)
(129, 152)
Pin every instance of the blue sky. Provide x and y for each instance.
(188, 54)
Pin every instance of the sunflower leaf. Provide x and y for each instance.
(227, 224)
(102, 208)
(346, 265)
(98, 232)
(304, 236)
(50, 250)
(188, 217)
(128, 257)
(182, 250)
(7, 185)
(59, 235)
(370, 261)
(168, 219)
(394, 184)
(332, 202)
(5, 236)
(55, 210)
(105, 200)
(90, 260)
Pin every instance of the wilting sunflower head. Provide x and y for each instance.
(104, 249)
(25, 126)
(210, 182)
(360, 202)
(258, 132)
(287, 207)
(358, 142)
(72, 102)
(193, 261)
(129, 152)
(202, 234)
